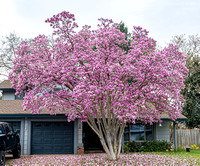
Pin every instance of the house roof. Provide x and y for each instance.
(14, 107)
(11, 107)
(180, 118)
(6, 84)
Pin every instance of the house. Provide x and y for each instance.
(52, 134)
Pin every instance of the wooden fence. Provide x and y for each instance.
(186, 138)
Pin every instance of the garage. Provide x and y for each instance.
(52, 138)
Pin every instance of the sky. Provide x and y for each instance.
(162, 18)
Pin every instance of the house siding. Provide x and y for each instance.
(75, 136)
(8, 95)
(27, 132)
(80, 131)
(22, 136)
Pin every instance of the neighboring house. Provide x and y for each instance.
(52, 134)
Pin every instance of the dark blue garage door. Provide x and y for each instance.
(52, 138)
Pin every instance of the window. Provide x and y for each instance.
(149, 132)
(138, 132)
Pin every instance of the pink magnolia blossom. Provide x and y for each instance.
(96, 78)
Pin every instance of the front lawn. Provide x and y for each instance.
(193, 154)
(100, 159)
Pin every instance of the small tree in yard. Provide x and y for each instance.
(88, 75)
(8, 45)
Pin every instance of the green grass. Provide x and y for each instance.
(180, 153)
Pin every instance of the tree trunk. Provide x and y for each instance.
(112, 144)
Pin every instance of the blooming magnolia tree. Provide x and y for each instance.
(88, 75)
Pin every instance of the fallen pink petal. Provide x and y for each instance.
(138, 159)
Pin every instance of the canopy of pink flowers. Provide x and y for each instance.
(96, 75)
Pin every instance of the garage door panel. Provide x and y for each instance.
(48, 141)
(37, 125)
(38, 132)
(35, 150)
(52, 138)
(60, 149)
(48, 148)
(59, 132)
(37, 140)
(48, 134)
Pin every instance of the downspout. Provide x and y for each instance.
(175, 137)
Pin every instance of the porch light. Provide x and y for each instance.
(160, 124)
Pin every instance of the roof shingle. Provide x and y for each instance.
(15, 107)
(6, 84)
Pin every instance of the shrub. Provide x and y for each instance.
(126, 148)
(132, 146)
(148, 146)
(155, 146)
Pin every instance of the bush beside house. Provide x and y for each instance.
(147, 146)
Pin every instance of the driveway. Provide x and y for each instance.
(97, 159)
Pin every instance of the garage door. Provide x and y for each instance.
(52, 138)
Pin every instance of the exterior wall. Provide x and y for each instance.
(26, 122)
(78, 129)
(22, 136)
(162, 133)
(26, 137)
(75, 136)
(8, 95)
(80, 147)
